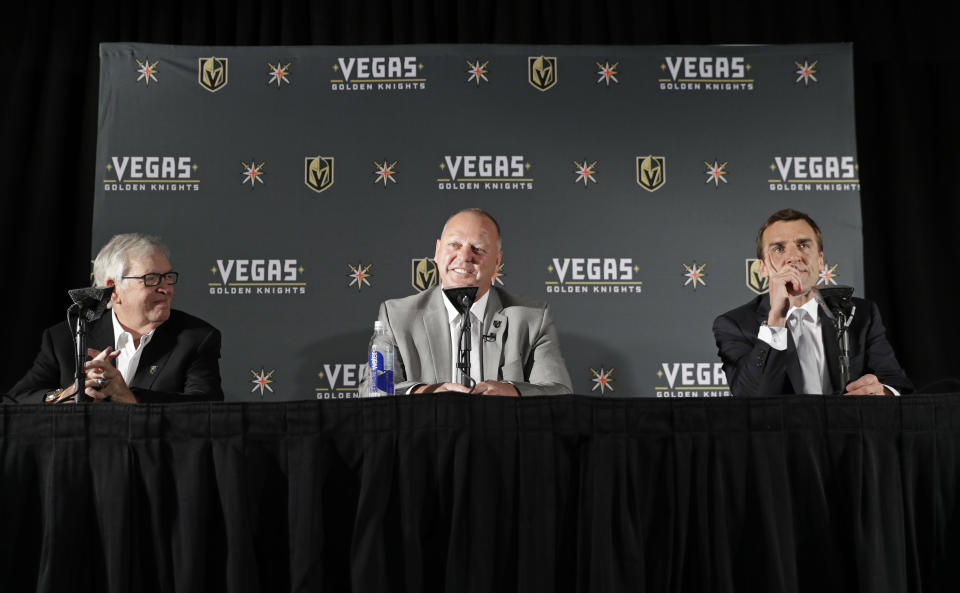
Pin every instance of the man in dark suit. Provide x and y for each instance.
(517, 351)
(783, 342)
(141, 349)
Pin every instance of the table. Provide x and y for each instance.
(464, 493)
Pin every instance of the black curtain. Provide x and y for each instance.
(566, 494)
(904, 56)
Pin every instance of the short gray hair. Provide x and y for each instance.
(113, 261)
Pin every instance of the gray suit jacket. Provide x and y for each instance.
(520, 344)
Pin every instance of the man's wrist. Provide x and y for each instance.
(52, 395)
(514, 385)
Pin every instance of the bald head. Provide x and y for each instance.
(478, 212)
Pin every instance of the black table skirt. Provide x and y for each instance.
(486, 494)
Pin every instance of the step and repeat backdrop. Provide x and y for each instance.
(298, 187)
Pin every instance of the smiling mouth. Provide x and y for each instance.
(463, 274)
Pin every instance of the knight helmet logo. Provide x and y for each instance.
(651, 172)
(212, 73)
(542, 72)
(423, 273)
(318, 172)
(755, 282)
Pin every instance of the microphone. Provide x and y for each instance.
(88, 304)
(838, 306)
(835, 298)
(92, 301)
(462, 297)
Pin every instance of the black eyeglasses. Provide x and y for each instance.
(154, 279)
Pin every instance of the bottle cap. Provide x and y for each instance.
(377, 325)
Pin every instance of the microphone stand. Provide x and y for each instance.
(840, 309)
(466, 344)
(462, 299)
(89, 305)
(79, 354)
(842, 324)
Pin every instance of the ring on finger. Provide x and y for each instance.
(101, 382)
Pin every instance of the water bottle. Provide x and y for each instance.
(380, 360)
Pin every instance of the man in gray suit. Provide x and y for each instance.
(516, 350)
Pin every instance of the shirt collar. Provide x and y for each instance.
(121, 336)
(478, 308)
(811, 307)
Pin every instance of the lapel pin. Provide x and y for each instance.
(497, 323)
(154, 369)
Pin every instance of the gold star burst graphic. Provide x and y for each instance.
(828, 275)
(252, 172)
(716, 172)
(262, 381)
(147, 71)
(585, 172)
(279, 73)
(607, 73)
(359, 275)
(602, 379)
(497, 277)
(385, 172)
(695, 274)
(806, 72)
(477, 71)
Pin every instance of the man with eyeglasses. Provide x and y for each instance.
(141, 350)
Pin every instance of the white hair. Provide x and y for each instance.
(113, 261)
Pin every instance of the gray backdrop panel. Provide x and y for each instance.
(309, 339)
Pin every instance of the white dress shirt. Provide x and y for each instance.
(129, 358)
(455, 321)
(777, 338)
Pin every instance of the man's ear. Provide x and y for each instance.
(114, 297)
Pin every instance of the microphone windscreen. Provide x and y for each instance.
(92, 300)
(836, 292)
(462, 297)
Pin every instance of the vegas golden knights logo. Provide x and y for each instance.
(318, 171)
(542, 72)
(755, 282)
(212, 73)
(651, 172)
(423, 273)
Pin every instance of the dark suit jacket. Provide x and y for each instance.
(755, 368)
(180, 364)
